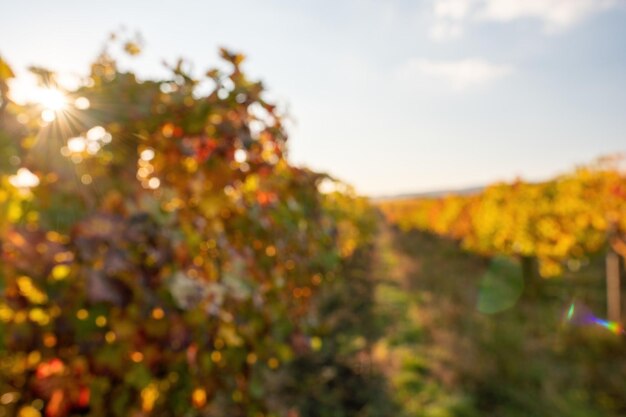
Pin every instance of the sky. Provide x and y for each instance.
(391, 96)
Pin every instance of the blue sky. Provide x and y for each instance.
(390, 95)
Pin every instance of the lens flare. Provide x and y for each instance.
(76, 144)
(611, 326)
(82, 103)
(24, 179)
(580, 315)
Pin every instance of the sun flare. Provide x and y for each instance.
(50, 99)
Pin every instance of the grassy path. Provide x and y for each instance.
(444, 358)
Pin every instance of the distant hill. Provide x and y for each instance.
(431, 194)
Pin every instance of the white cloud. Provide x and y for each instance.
(445, 30)
(555, 14)
(453, 9)
(460, 74)
(451, 16)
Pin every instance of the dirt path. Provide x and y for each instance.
(423, 351)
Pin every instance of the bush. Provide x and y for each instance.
(160, 256)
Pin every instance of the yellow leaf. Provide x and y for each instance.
(60, 272)
(29, 411)
(230, 336)
(198, 397)
(149, 395)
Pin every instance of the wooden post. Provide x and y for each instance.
(613, 286)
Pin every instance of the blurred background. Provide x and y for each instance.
(443, 234)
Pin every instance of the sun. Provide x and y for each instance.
(50, 99)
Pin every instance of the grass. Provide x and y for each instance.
(444, 356)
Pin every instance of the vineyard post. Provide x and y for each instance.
(613, 283)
